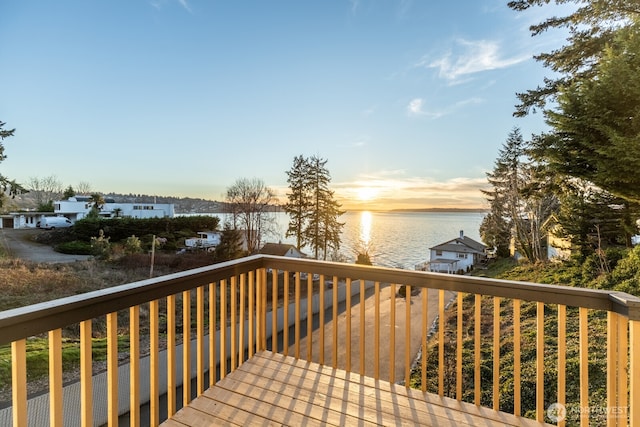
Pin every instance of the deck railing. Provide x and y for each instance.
(367, 320)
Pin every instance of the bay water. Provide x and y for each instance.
(392, 239)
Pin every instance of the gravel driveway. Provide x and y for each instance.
(19, 243)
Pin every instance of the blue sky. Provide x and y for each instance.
(408, 100)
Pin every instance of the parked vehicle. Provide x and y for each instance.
(51, 222)
(207, 240)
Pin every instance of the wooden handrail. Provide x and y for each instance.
(237, 293)
(43, 317)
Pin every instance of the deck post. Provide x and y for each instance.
(19, 381)
(634, 373)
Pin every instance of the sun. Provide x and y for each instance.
(366, 193)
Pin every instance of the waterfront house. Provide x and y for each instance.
(281, 249)
(457, 255)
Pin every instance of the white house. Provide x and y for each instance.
(78, 207)
(281, 249)
(456, 255)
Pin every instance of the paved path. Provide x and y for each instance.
(19, 244)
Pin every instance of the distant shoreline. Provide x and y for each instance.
(422, 210)
(418, 210)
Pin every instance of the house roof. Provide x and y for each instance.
(462, 244)
(278, 249)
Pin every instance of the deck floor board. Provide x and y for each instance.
(272, 389)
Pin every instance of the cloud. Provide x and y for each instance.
(185, 4)
(416, 108)
(160, 4)
(394, 190)
(469, 58)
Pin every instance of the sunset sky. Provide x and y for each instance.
(408, 100)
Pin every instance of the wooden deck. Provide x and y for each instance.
(272, 389)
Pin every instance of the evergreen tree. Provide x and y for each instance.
(507, 181)
(322, 231)
(596, 127)
(494, 229)
(520, 199)
(594, 219)
(332, 228)
(298, 206)
(68, 193)
(8, 186)
(230, 246)
(592, 25)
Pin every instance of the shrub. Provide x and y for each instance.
(402, 291)
(132, 245)
(101, 245)
(75, 247)
(364, 259)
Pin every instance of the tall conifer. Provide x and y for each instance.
(312, 207)
(299, 199)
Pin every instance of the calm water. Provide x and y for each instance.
(403, 240)
(399, 240)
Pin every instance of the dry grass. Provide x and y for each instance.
(23, 283)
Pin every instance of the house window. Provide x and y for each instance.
(462, 256)
(438, 253)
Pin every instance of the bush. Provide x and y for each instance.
(402, 291)
(75, 247)
(118, 229)
(132, 245)
(364, 259)
(101, 246)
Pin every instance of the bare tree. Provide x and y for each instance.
(45, 190)
(250, 202)
(83, 188)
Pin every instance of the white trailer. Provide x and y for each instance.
(206, 240)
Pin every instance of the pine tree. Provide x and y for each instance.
(507, 180)
(8, 186)
(68, 193)
(596, 126)
(332, 228)
(592, 218)
(312, 208)
(520, 199)
(299, 199)
(592, 26)
(230, 246)
(322, 231)
(494, 229)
